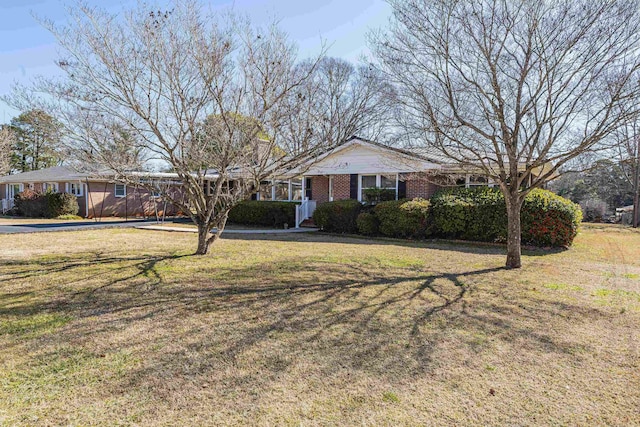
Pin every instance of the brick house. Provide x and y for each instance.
(346, 171)
(97, 197)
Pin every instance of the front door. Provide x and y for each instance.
(307, 188)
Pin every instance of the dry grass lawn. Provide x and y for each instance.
(124, 327)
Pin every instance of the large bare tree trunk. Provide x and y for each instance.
(203, 239)
(514, 231)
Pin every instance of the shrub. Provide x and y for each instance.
(480, 214)
(470, 213)
(30, 204)
(549, 220)
(339, 216)
(377, 195)
(404, 218)
(367, 224)
(48, 205)
(266, 213)
(60, 204)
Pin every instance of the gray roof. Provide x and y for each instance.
(53, 174)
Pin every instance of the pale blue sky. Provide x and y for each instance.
(28, 50)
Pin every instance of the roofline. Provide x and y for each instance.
(389, 147)
(346, 142)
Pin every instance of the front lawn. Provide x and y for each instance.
(124, 327)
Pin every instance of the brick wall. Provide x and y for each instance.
(137, 203)
(420, 187)
(320, 188)
(341, 187)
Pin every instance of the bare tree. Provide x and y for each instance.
(338, 101)
(513, 89)
(628, 154)
(203, 94)
(7, 141)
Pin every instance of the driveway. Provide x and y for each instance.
(39, 227)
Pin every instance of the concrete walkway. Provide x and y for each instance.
(68, 226)
(229, 230)
(137, 223)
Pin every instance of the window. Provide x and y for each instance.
(475, 181)
(13, 189)
(388, 182)
(296, 189)
(74, 188)
(331, 188)
(282, 190)
(478, 181)
(120, 190)
(264, 192)
(50, 187)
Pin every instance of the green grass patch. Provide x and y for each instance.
(616, 293)
(69, 217)
(33, 326)
(563, 287)
(391, 397)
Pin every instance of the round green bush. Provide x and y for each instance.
(404, 218)
(339, 216)
(367, 224)
(60, 204)
(549, 220)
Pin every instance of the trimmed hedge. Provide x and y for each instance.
(46, 205)
(470, 214)
(267, 213)
(339, 216)
(404, 218)
(477, 214)
(480, 214)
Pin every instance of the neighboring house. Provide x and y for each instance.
(97, 196)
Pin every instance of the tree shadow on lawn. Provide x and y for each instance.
(462, 246)
(330, 317)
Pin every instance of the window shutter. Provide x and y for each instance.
(402, 189)
(353, 186)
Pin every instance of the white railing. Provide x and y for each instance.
(6, 205)
(304, 211)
